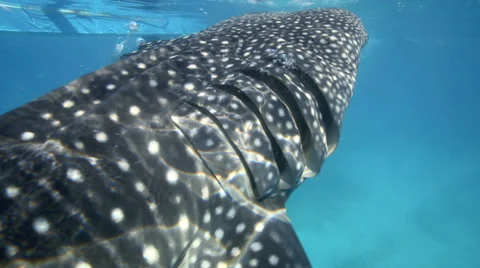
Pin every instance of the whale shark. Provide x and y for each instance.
(182, 153)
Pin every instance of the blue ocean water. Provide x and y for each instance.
(403, 188)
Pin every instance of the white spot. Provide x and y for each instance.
(296, 139)
(153, 83)
(153, 147)
(196, 243)
(299, 165)
(68, 104)
(222, 193)
(183, 223)
(205, 192)
(141, 65)
(240, 227)
(218, 210)
(207, 217)
(124, 72)
(253, 262)
(74, 175)
(12, 191)
(110, 86)
(207, 235)
(259, 226)
(172, 176)
(83, 264)
(231, 213)
(235, 251)
(205, 264)
(79, 145)
(46, 116)
(289, 125)
(222, 265)
(257, 142)
(256, 246)
(193, 259)
(163, 101)
(273, 259)
(192, 66)
(139, 186)
(26, 136)
(117, 215)
(150, 254)
(281, 112)
(219, 233)
(189, 86)
(79, 113)
(41, 225)
(269, 117)
(85, 90)
(101, 136)
(11, 251)
(113, 117)
(134, 110)
(56, 123)
(123, 165)
(209, 143)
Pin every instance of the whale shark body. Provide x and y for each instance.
(184, 152)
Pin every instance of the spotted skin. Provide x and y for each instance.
(183, 153)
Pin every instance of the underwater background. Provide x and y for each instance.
(403, 187)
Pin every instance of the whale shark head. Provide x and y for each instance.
(183, 153)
